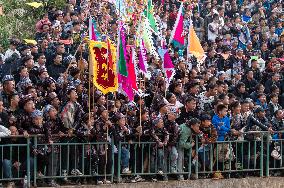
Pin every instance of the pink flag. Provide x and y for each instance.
(142, 57)
(177, 36)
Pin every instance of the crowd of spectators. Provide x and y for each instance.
(237, 88)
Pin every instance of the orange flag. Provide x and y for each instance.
(194, 46)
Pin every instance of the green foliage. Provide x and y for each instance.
(20, 19)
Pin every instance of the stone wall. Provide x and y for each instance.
(277, 182)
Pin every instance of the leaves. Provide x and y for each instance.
(20, 19)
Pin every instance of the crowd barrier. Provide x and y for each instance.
(105, 160)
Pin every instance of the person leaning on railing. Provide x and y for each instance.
(187, 130)
(209, 137)
(160, 135)
(13, 162)
(256, 122)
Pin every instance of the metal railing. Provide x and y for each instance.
(72, 158)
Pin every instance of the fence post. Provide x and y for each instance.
(261, 157)
(118, 163)
(112, 158)
(196, 156)
(28, 163)
(35, 161)
(267, 155)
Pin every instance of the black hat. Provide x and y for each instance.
(7, 78)
(259, 109)
(101, 109)
(26, 58)
(26, 98)
(24, 47)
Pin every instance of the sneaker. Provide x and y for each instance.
(107, 182)
(154, 180)
(160, 172)
(275, 154)
(180, 178)
(126, 171)
(64, 173)
(76, 172)
(165, 178)
(100, 182)
(133, 181)
(139, 179)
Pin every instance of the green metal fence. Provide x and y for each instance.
(102, 161)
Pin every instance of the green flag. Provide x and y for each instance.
(122, 62)
(149, 14)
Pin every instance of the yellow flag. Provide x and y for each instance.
(30, 41)
(194, 46)
(35, 4)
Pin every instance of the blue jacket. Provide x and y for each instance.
(222, 125)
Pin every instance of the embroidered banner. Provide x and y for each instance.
(103, 58)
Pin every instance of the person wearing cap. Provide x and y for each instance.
(36, 128)
(160, 136)
(173, 129)
(8, 89)
(25, 119)
(103, 126)
(121, 134)
(257, 122)
(209, 137)
(54, 131)
(14, 109)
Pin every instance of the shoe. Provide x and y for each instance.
(100, 182)
(165, 178)
(11, 185)
(160, 172)
(275, 154)
(64, 173)
(217, 176)
(180, 178)
(126, 171)
(107, 182)
(53, 184)
(139, 179)
(76, 172)
(133, 181)
(154, 180)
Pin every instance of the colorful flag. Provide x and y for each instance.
(122, 67)
(142, 57)
(35, 4)
(194, 46)
(149, 14)
(177, 36)
(93, 30)
(103, 57)
(168, 66)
